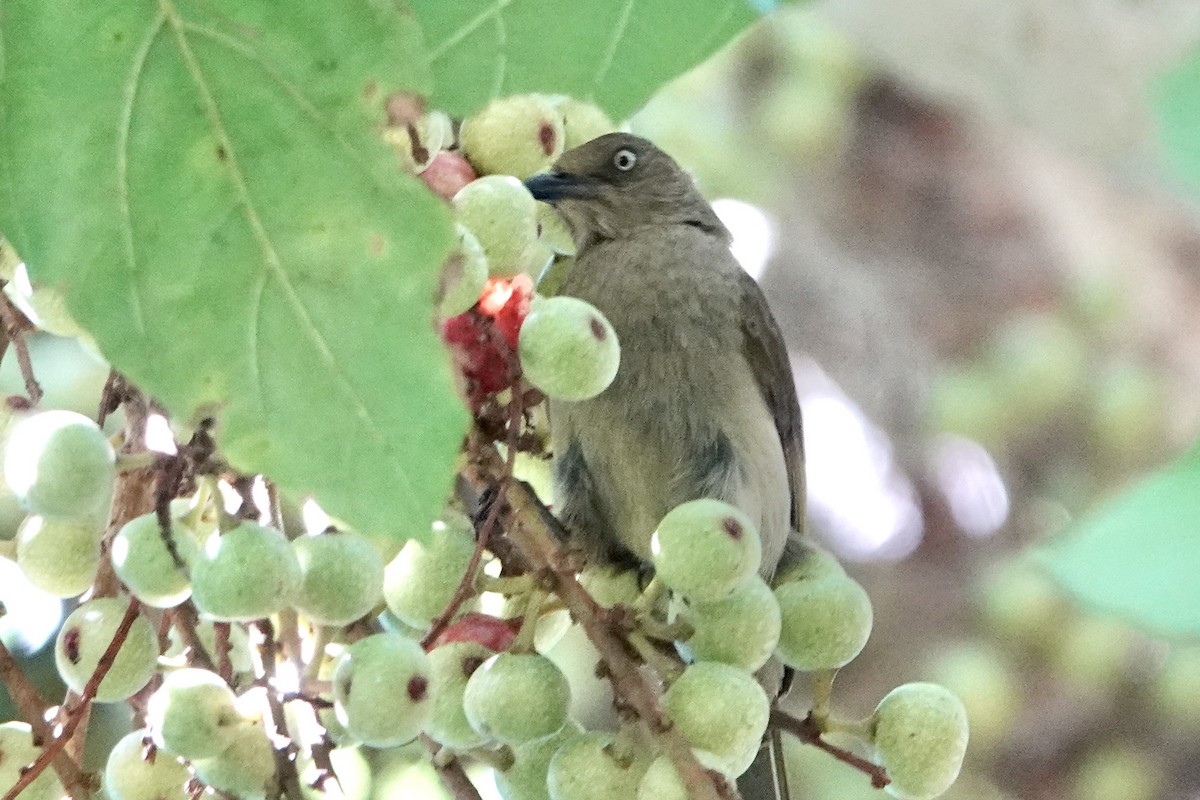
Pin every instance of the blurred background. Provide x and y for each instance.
(988, 273)
(989, 277)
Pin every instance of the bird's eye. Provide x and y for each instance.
(624, 160)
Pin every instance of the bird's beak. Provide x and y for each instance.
(553, 186)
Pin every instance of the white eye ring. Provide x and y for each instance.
(624, 160)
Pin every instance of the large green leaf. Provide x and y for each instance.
(613, 52)
(207, 182)
(1139, 554)
(1177, 103)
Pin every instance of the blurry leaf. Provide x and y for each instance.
(1177, 102)
(613, 52)
(207, 183)
(1139, 554)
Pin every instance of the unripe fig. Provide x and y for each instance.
(705, 549)
(568, 349)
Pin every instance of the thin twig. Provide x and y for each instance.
(32, 709)
(807, 731)
(288, 779)
(533, 532)
(450, 770)
(466, 586)
(184, 618)
(223, 649)
(16, 326)
(78, 712)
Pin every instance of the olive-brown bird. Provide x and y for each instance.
(703, 404)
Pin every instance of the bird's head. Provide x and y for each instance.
(618, 183)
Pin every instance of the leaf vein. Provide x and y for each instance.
(467, 29)
(124, 124)
(501, 55)
(258, 229)
(610, 51)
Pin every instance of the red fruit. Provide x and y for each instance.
(477, 352)
(506, 300)
(484, 339)
(447, 173)
(491, 632)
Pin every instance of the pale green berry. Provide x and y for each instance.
(502, 214)
(44, 305)
(435, 132)
(551, 278)
(246, 768)
(60, 465)
(920, 735)
(804, 560)
(705, 549)
(525, 779)
(244, 574)
(568, 349)
(582, 121)
(341, 576)
(464, 274)
(88, 632)
(610, 586)
(382, 689)
(719, 709)
(587, 767)
(741, 630)
(16, 751)
(515, 697)
(129, 775)
(515, 135)
(826, 622)
(145, 564)
(61, 557)
(553, 230)
(661, 782)
(192, 714)
(450, 667)
(422, 578)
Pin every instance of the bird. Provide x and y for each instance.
(704, 402)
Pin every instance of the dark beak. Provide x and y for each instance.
(553, 186)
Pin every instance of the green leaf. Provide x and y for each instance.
(613, 52)
(207, 182)
(1138, 554)
(1177, 103)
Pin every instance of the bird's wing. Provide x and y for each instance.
(767, 356)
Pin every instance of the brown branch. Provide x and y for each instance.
(533, 532)
(32, 709)
(287, 778)
(184, 618)
(466, 586)
(133, 494)
(807, 731)
(320, 753)
(15, 327)
(450, 770)
(223, 649)
(78, 712)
